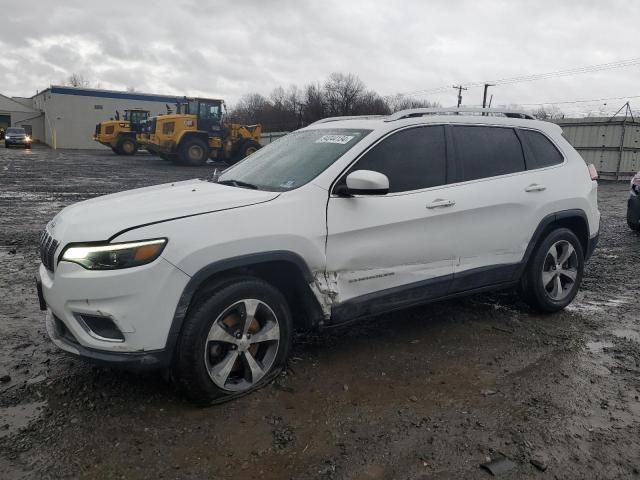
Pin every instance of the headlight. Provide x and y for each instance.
(111, 256)
(27, 138)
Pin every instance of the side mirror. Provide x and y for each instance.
(367, 182)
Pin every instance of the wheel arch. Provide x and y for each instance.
(189, 134)
(285, 270)
(574, 220)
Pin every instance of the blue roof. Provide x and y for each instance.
(88, 92)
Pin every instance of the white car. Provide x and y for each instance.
(344, 219)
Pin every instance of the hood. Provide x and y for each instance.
(102, 217)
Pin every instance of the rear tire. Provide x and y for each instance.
(193, 152)
(554, 272)
(633, 226)
(221, 356)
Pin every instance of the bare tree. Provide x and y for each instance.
(401, 102)
(342, 92)
(78, 80)
(296, 107)
(550, 112)
(315, 106)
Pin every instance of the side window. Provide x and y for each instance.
(487, 151)
(543, 153)
(412, 159)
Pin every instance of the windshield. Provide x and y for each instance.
(294, 159)
(15, 130)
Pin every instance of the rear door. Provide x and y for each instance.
(394, 248)
(494, 211)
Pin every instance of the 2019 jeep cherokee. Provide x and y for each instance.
(343, 219)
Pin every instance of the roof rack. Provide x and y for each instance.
(346, 117)
(419, 112)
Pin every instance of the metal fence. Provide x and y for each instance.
(267, 138)
(611, 144)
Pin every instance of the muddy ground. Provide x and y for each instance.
(431, 392)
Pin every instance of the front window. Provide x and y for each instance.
(16, 131)
(209, 111)
(294, 159)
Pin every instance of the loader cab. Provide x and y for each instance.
(137, 119)
(208, 113)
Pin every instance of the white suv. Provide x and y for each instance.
(344, 219)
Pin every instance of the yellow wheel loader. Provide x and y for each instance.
(197, 131)
(122, 136)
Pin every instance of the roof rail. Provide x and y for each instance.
(419, 112)
(346, 117)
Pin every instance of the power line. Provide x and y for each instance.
(580, 101)
(534, 77)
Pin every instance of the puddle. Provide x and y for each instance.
(594, 306)
(12, 419)
(626, 333)
(598, 346)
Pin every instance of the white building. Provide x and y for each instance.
(65, 117)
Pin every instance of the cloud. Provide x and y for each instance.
(226, 49)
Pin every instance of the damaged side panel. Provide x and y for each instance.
(324, 287)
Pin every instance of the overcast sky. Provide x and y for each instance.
(227, 49)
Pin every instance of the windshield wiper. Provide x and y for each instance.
(239, 183)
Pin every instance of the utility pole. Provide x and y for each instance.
(459, 88)
(484, 97)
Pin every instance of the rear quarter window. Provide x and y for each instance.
(541, 152)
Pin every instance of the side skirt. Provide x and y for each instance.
(446, 287)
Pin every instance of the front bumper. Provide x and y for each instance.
(63, 339)
(17, 141)
(593, 243)
(139, 301)
(633, 210)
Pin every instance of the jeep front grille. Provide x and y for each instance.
(48, 247)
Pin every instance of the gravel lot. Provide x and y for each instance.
(431, 392)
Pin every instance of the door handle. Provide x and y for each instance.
(439, 202)
(534, 187)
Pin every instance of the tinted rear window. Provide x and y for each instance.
(542, 153)
(487, 151)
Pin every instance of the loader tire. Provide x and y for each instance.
(246, 149)
(127, 146)
(193, 152)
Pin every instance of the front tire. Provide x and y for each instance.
(554, 273)
(235, 339)
(128, 146)
(193, 152)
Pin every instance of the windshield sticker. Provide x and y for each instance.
(340, 139)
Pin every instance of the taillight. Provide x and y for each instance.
(593, 173)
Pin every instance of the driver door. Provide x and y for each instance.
(387, 251)
(209, 114)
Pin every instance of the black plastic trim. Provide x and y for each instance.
(434, 289)
(223, 265)
(544, 223)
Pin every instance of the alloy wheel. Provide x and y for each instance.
(241, 345)
(559, 270)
